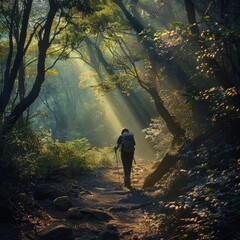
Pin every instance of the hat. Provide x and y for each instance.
(124, 130)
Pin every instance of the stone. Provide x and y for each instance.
(89, 213)
(74, 213)
(45, 191)
(60, 232)
(57, 174)
(62, 203)
(118, 209)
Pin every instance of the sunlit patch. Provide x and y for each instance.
(117, 113)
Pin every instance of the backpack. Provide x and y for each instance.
(128, 142)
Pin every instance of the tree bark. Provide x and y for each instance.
(11, 75)
(21, 90)
(191, 15)
(43, 45)
(173, 126)
(167, 162)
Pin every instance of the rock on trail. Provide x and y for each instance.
(93, 206)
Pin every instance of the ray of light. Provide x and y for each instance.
(119, 118)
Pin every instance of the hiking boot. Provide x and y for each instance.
(127, 182)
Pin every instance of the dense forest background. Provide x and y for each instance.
(73, 73)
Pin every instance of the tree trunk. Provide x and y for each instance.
(167, 162)
(171, 68)
(43, 45)
(11, 75)
(191, 15)
(132, 100)
(172, 125)
(21, 90)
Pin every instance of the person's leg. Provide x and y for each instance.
(127, 159)
(124, 162)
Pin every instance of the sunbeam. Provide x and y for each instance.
(115, 108)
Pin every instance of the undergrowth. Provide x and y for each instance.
(78, 155)
(200, 198)
(28, 155)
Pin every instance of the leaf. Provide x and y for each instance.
(52, 72)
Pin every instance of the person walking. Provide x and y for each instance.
(127, 143)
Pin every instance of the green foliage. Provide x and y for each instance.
(221, 103)
(106, 85)
(57, 154)
(27, 154)
(101, 157)
(77, 155)
(157, 134)
(102, 18)
(176, 24)
(183, 112)
(21, 152)
(163, 39)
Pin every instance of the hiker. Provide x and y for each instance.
(127, 143)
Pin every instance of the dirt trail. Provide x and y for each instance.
(101, 190)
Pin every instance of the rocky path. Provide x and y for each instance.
(93, 206)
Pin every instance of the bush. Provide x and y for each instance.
(158, 134)
(222, 103)
(78, 155)
(22, 149)
(27, 154)
(102, 157)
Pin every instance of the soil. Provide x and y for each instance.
(100, 189)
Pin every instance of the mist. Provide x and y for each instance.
(75, 109)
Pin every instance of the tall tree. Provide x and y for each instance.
(22, 25)
(173, 126)
(14, 62)
(146, 35)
